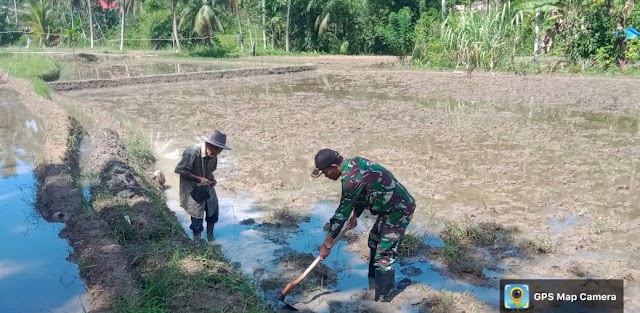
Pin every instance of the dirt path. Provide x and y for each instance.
(549, 160)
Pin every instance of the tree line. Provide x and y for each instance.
(485, 34)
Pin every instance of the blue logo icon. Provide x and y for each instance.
(516, 296)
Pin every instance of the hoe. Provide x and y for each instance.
(292, 284)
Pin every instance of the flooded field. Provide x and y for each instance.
(82, 69)
(35, 275)
(548, 163)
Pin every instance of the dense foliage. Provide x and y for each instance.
(487, 34)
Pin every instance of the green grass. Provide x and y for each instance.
(410, 245)
(166, 282)
(138, 147)
(36, 69)
(452, 251)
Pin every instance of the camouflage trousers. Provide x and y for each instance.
(386, 235)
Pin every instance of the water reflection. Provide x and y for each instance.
(34, 273)
(19, 134)
(83, 72)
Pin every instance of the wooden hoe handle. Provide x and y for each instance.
(292, 284)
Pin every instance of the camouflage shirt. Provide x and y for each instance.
(368, 185)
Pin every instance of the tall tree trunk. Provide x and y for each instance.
(249, 28)
(286, 32)
(240, 36)
(443, 9)
(15, 10)
(264, 24)
(122, 26)
(71, 10)
(176, 39)
(536, 44)
(90, 22)
(252, 48)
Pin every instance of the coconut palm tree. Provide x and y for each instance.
(176, 39)
(203, 18)
(235, 7)
(122, 10)
(90, 22)
(39, 21)
(286, 32)
(264, 24)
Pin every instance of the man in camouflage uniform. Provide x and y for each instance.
(367, 185)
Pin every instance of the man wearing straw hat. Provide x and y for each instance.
(197, 193)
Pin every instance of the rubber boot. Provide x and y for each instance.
(385, 285)
(372, 283)
(196, 235)
(372, 261)
(210, 232)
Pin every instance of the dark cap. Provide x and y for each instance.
(324, 159)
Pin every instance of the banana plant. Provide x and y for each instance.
(537, 7)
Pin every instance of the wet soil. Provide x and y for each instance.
(102, 263)
(548, 159)
(119, 229)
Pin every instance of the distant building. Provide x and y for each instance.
(108, 5)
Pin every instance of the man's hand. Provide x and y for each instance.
(324, 251)
(213, 182)
(203, 180)
(352, 221)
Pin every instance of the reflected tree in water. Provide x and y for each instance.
(19, 134)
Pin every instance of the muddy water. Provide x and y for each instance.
(128, 69)
(34, 273)
(558, 173)
(256, 249)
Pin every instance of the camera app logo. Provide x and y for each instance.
(516, 296)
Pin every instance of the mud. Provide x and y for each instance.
(546, 160)
(102, 263)
(173, 78)
(131, 230)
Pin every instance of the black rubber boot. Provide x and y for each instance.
(385, 285)
(372, 283)
(372, 261)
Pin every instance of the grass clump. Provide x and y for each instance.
(452, 251)
(138, 147)
(36, 69)
(410, 245)
(467, 232)
(540, 245)
(192, 277)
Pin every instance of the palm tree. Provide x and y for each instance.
(176, 39)
(15, 10)
(90, 22)
(203, 17)
(122, 7)
(286, 32)
(234, 6)
(38, 20)
(264, 24)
